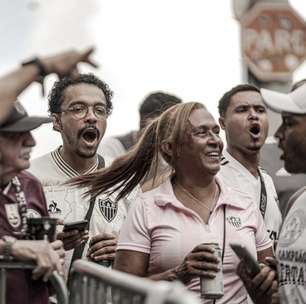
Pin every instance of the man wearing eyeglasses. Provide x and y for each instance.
(80, 107)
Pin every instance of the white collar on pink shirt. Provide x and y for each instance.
(163, 195)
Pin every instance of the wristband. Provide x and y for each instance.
(42, 71)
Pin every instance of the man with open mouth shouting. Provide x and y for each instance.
(244, 119)
(80, 107)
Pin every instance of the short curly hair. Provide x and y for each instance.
(56, 95)
(226, 98)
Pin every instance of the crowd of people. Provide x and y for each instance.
(156, 199)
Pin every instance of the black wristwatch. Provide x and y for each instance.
(9, 241)
(42, 71)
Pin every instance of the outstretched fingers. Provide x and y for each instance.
(85, 57)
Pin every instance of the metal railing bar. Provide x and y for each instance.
(117, 278)
(56, 280)
(115, 287)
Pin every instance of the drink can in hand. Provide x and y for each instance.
(213, 288)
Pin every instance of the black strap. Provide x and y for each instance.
(101, 162)
(224, 238)
(78, 252)
(224, 232)
(263, 196)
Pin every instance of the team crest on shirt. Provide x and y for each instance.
(108, 208)
(234, 220)
(53, 209)
(293, 228)
(12, 214)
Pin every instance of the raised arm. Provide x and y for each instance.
(16, 81)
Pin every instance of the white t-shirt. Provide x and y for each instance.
(291, 254)
(67, 203)
(235, 175)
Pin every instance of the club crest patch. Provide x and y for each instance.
(13, 215)
(53, 209)
(293, 228)
(108, 208)
(235, 221)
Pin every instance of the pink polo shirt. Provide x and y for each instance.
(160, 225)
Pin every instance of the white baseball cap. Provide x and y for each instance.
(293, 102)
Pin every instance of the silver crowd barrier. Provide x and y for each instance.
(92, 283)
(56, 280)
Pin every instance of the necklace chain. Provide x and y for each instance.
(215, 196)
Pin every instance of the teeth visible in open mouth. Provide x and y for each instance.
(213, 154)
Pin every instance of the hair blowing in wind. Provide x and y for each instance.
(127, 171)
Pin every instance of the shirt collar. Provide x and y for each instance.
(66, 168)
(164, 195)
(242, 169)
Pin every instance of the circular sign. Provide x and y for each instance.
(273, 41)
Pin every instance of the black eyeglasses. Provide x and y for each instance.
(80, 111)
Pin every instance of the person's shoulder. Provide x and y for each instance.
(264, 173)
(228, 173)
(158, 192)
(109, 140)
(40, 160)
(27, 178)
(148, 195)
(297, 195)
(41, 165)
(227, 164)
(111, 144)
(267, 177)
(234, 196)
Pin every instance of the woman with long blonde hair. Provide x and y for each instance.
(168, 229)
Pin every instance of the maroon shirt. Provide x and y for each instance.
(21, 289)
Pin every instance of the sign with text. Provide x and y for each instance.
(273, 41)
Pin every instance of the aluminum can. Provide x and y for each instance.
(213, 288)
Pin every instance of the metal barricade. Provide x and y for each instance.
(56, 280)
(92, 283)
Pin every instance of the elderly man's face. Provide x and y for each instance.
(292, 140)
(15, 150)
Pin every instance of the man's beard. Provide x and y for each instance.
(87, 155)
